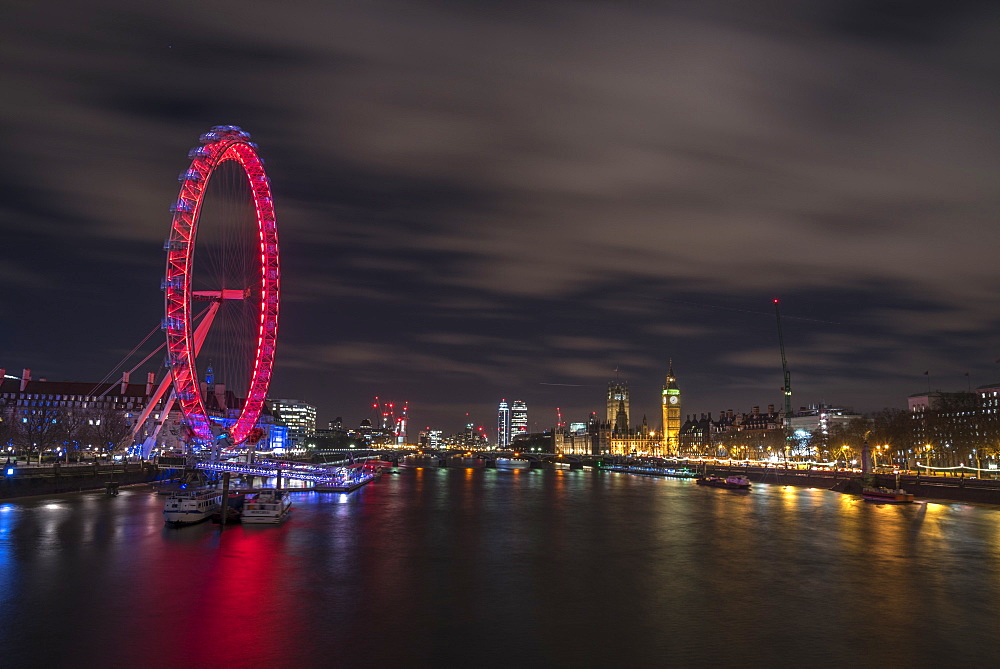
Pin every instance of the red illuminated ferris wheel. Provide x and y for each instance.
(221, 286)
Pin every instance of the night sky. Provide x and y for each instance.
(487, 200)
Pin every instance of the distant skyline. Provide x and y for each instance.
(515, 199)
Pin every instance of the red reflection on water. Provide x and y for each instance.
(244, 602)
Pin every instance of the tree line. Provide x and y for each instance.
(35, 431)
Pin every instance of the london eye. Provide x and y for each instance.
(221, 288)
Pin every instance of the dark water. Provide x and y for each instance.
(466, 568)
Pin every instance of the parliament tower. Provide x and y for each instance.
(671, 414)
(618, 405)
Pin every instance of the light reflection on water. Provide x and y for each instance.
(567, 568)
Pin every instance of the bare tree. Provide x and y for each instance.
(819, 441)
(847, 439)
(37, 429)
(107, 429)
(892, 430)
(7, 427)
(75, 425)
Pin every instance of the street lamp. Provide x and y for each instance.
(928, 453)
(879, 451)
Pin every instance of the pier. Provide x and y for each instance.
(325, 478)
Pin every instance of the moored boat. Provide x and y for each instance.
(465, 462)
(650, 470)
(737, 482)
(512, 463)
(266, 506)
(897, 496)
(378, 466)
(416, 460)
(234, 509)
(186, 507)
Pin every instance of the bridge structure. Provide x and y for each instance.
(537, 460)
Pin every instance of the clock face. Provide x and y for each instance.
(674, 399)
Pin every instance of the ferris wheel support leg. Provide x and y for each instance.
(199, 339)
(200, 333)
(150, 442)
(206, 322)
(150, 407)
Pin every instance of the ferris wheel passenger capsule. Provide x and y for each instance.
(182, 205)
(175, 282)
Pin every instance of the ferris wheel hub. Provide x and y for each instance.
(228, 294)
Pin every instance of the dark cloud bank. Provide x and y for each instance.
(476, 202)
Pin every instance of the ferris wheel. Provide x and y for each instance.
(221, 288)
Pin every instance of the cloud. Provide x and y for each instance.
(581, 343)
(679, 330)
(496, 193)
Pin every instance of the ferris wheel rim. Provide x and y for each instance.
(221, 144)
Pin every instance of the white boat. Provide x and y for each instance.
(513, 463)
(417, 460)
(266, 506)
(186, 507)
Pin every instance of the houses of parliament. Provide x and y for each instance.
(616, 435)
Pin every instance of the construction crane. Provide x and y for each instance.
(787, 388)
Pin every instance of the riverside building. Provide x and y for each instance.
(617, 436)
(298, 416)
(39, 416)
(755, 435)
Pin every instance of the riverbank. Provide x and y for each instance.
(948, 488)
(30, 481)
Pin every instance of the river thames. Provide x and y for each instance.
(471, 568)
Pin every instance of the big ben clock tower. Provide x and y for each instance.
(671, 414)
